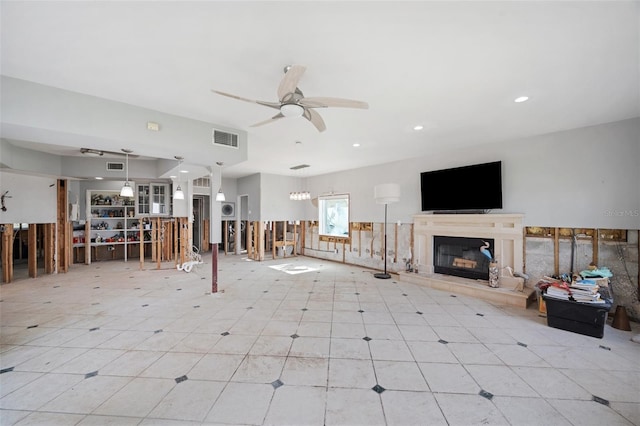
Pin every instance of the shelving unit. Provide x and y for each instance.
(112, 229)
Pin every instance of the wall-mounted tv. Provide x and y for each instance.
(477, 187)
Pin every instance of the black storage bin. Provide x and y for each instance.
(581, 318)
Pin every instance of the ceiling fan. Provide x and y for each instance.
(292, 102)
(101, 152)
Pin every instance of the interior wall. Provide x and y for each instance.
(32, 198)
(251, 187)
(275, 204)
(585, 177)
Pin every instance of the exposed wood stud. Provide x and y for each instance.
(33, 250)
(556, 251)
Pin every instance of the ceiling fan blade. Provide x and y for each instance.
(315, 119)
(268, 104)
(290, 81)
(320, 102)
(271, 120)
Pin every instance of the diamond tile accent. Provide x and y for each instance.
(226, 333)
(606, 348)
(137, 288)
(378, 389)
(277, 383)
(145, 305)
(304, 309)
(94, 329)
(32, 326)
(294, 336)
(522, 344)
(357, 294)
(44, 302)
(56, 286)
(367, 338)
(600, 400)
(94, 304)
(480, 315)
(178, 289)
(361, 311)
(419, 313)
(250, 307)
(266, 291)
(96, 287)
(483, 393)
(444, 342)
(196, 306)
(157, 331)
(6, 370)
(92, 374)
(453, 295)
(181, 379)
(404, 294)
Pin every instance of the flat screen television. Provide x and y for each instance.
(473, 188)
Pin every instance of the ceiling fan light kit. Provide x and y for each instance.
(292, 110)
(292, 102)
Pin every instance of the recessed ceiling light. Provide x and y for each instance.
(173, 177)
(521, 99)
(184, 171)
(418, 127)
(98, 178)
(356, 145)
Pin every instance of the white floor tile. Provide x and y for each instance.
(297, 405)
(353, 407)
(137, 398)
(403, 408)
(305, 371)
(188, 400)
(351, 373)
(464, 410)
(232, 407)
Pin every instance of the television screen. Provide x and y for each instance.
(475, 187)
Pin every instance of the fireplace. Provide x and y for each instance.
(504, 232)
(461, 256)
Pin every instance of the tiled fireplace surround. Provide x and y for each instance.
(507, 232)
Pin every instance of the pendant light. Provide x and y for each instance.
(220, 194)
(127, 190)
(178, 194)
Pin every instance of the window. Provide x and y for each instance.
(333, 212)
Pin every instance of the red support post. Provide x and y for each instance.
(214, 268)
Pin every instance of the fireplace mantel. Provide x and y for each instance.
(505, 229)
(507, 232)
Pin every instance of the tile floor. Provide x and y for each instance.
(296, 341)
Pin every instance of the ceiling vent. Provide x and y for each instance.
(115, 167)
(224, 138)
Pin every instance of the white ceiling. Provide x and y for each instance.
(453, 67)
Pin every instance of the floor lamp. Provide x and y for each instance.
(386, 193)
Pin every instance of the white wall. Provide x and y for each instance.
(33, 199)
(586, 177)
(275, 204)
(251, 186)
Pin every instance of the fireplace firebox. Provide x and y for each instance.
(462, 257)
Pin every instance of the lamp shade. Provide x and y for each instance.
(386, 193)
(179, 194)
(127, 190)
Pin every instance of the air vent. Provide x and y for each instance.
(203, 182)
(115, 167)
(223, 138)
(299, 166)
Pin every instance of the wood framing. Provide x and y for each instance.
(7, 253)
(62, 237)
(50, 248)
(33, 250)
